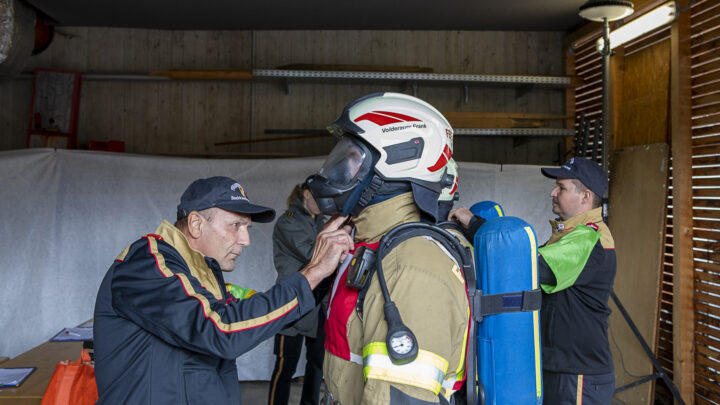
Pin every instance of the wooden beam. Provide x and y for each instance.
(306, 134)
(500, 120)
(617, 79)
(680, 139)
(584, 33)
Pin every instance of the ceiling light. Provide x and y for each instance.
(654, 19)
(610, 10)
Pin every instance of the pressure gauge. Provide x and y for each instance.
(400, 341)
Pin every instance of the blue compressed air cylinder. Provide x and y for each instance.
(508, 346)
(487, 209)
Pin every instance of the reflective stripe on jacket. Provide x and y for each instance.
(166, 330)
(429, 291)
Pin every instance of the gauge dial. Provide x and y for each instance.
(401, 344)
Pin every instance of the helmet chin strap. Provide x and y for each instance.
(368, 193)
(379, 190)
(350, 203)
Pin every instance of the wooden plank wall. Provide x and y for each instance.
(188, 118)
(642, 115)
(637, 217)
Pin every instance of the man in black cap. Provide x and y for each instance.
(577, 268)
(166, 330)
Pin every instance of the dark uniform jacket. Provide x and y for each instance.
(577, 270)
(166, 330)
(293, 242)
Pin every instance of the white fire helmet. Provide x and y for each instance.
(449, 194)
(387, 141)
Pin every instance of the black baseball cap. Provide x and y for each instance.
(221, 192)
(587, 171)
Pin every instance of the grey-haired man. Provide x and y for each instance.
(166, 330)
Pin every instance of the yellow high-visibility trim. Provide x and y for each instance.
(460, 371)
(536, 338)
(499, 211)
(536, 319)
(121, 256)
(401, 377)
(424, 355)
(533, 256)
(207, 311)
(427, 371)
(579, 390)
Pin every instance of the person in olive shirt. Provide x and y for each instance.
(577, 268)
(293, 242)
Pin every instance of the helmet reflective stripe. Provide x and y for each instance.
(442, 160)
(385, 117)
(427, 371)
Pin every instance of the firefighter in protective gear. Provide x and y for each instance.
(388, 168)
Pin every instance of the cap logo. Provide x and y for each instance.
(566, 167)
(237, 187)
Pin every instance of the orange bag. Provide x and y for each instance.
(72, 383)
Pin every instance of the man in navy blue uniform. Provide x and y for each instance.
(166, 330)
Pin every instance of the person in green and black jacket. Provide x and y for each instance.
(293, 241)
(577, 268)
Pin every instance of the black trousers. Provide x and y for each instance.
(572, 389)
(287, 354)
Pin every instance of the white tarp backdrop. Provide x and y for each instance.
(67, 214)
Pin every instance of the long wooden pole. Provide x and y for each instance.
(681, 146)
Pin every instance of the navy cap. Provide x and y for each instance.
(587, 171)
(221, 192)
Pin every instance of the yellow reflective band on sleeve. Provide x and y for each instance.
(449, 384)
(427, 371)
(208, 312)
(536, 320)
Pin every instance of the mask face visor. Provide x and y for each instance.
(347, 164)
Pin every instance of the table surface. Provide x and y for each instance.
(44, 357)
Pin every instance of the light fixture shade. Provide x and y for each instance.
(611, 10)
(651, 20)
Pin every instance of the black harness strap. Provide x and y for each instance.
(523, 301)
